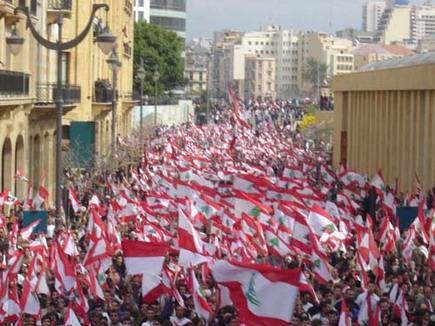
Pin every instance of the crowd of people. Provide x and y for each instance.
(239, 210)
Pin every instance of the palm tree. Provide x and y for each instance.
(314, 73)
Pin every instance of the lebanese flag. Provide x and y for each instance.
(237, 112)
(151, 287)
(327, 176)
(256, 289)
(29, 303)
(304, 285)
(20, 175)
(201, 306)
(191, 246)
(321, 267)
(28, 230)
(63, 269)
(302, 237)
(320, 222)
(144, 257)
(344, 318)
(40, 198)
(70, 317)
(378, 182)
(75, 204)
(276, 246)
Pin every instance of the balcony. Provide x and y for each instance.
(102, 97)
(14, 88)
(128, 51)
(45, 101)
(54, 6)
(46, 95)
(128, 7)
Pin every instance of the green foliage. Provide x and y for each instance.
(315, 73)
(160, 49)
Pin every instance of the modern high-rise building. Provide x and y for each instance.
(142, 10)
(372, 13)
(170, 14)
(407, 24)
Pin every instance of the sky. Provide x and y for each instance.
(206, 16)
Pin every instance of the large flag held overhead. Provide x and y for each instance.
(255, 291)
(144, 257)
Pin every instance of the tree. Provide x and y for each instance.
(160, 49)
(314, 73)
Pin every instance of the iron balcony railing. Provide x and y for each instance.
(60, 4)
(103, 95)
(128, 51)
(46, 94)
(128, 6)
(14, 83)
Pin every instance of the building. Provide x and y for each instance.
(274, 42)
(169, 14)
(407, 24)
(368, 53)
(372, 13)
(260, 79)
(197, 67)
(426, 45)
(336, 53)
(142, 10)
(27, 84)
(222, 66)
(383, 118)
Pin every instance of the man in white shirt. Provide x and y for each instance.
(179, 319)
(362, 300)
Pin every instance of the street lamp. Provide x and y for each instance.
(106, 41)
(114, 65)
(141, 74)
(156, 77)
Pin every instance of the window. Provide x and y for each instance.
(200, 76)
(259, 88)
(140, 16)
(140, 3)
(260, 75)
(191, 75)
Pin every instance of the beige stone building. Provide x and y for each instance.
(368, 53)
(384, 118)
(27, 83)
(260, 79)
(197, 67)
(335, 52)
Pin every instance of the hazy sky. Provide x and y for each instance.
(207, 16)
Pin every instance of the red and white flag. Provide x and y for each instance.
(20, 175)
(151, 287)
(202, 308)
(40, 198)
(255, 290)
(75, 204)
(192, 249)
(144, 257)
(28, 230)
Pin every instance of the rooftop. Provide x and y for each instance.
(401, 62)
